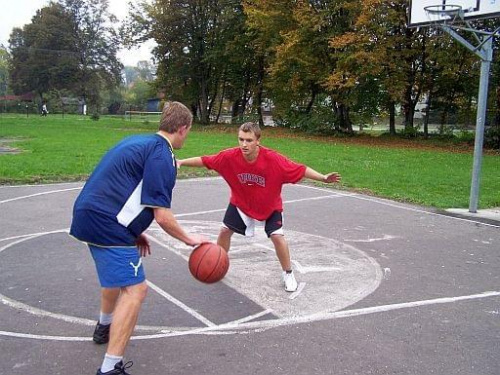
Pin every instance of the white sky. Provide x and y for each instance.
(17, 13)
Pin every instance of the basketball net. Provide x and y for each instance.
(444, 15)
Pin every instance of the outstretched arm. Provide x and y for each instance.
(166, 220)
(327, 178)
(191, 162)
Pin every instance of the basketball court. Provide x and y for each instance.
(385, 288)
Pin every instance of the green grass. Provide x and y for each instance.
(56, 149)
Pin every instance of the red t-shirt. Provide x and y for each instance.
(255, 187)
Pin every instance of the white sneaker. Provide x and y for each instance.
(290, 282)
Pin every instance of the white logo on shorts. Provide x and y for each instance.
(136, 268)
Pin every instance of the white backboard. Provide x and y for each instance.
(472, 9)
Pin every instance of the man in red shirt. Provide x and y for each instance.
(256, 175)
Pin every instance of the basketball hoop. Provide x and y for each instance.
(444, 14)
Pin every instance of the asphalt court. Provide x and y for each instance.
(384, 288)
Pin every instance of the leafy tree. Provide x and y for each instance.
(68, 45)
(191, 52)
(293, 36)
(43, 52)
(97, 44)
(4, 70)
(144, 70)
(379, 50)
(138, 94)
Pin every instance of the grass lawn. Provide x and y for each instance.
(424, 172)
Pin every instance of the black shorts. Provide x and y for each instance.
(240, 223)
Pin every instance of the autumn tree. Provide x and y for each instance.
(293, 37)
(381, 51)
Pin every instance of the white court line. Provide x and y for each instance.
(240, 328)
(200, 212)
(32, 235)
(184, 307)
(287, 202)
(391, 204)
(337, 194)
(75, 320)
(298, 291)
(38, 194)
(39, 185)
(251, 317)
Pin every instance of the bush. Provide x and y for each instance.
(95, 116)
(492, 138)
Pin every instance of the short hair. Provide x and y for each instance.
(174, 116)
(253, 127)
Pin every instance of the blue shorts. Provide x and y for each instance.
(118, 266)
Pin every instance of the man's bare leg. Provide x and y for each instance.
(282, 251)
(109, 296)
(125, 317)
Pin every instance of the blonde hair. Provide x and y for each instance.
(174, 116)
(251, 127)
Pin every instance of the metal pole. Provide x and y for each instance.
(487, 49)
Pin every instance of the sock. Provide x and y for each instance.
(105, 319)
(109, 362)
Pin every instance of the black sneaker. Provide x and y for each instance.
(101, 333)
(118, 370)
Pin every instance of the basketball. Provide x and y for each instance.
(208, 263)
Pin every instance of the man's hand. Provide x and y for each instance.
(332, 178)
(142, 243)
(197, 239)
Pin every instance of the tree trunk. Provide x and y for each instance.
(344, 120)
(235, 108)
(311, 102)
(392, 118)
(426, 116)
(204, 114)
(221, 102)
(497, 114)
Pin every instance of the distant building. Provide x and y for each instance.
(27, 97)
(153, 105)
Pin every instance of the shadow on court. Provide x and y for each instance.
(385, 288)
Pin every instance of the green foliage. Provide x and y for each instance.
(492, 137)
(43, 52)
(95, 116)
(193, 40)
(69, 45)
(4, 70)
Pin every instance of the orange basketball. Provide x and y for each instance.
(208, 263)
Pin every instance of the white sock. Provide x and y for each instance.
(105, 319)
(109, 362)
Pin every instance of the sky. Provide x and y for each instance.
(18, 13)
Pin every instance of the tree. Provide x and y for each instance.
(293, 36)
(4, 70)
(43, 52)
(69, 45)
(97, 44)
(191, 52)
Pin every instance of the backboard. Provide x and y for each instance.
(472, 9)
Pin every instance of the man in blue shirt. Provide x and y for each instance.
(130, 187)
